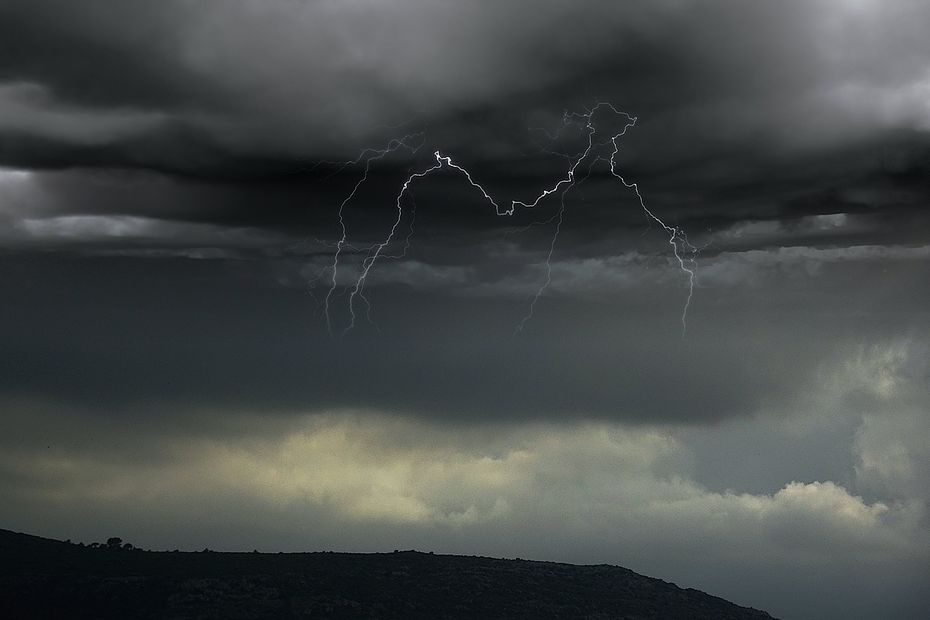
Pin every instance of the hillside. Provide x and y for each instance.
(47, 578)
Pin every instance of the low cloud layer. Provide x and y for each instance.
(584, 493)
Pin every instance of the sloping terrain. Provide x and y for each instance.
(50, 579)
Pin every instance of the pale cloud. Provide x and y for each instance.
(903, 105)
(596, 276)
(419, 274)
(581, 491)
(12, 175)
(18, 192)
(587, 479)
(90, 228)
(754, 267)
(767, 231)
(31, 108)
(892, 443)
(87, 226)
(603, 277)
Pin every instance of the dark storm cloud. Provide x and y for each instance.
(767, 145)
(279, 78)
(167, 228)
(202, 86)
(120, 332)
(746, 112)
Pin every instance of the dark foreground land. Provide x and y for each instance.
(42, 578)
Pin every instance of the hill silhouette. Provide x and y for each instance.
(47, 578)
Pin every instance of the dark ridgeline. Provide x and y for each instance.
(42, 578)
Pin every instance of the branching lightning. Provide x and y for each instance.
(368, 156)
(683, 251)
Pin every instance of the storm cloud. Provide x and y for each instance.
(170, 179)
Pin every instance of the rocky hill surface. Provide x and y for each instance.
(51, 579)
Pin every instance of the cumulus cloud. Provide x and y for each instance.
(890, 444)
(648, 496)
(363, 476)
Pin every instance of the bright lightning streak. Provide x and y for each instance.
(677, 239)
(369, 262)
(560, 217)
(368, 156)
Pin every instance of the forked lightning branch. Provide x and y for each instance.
(600, 148)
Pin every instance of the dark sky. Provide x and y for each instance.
(169, 200)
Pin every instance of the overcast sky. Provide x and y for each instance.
(169, 201)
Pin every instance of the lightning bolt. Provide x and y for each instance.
(677, 240)
(368, 156)
(560, 217)
(378, 248)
